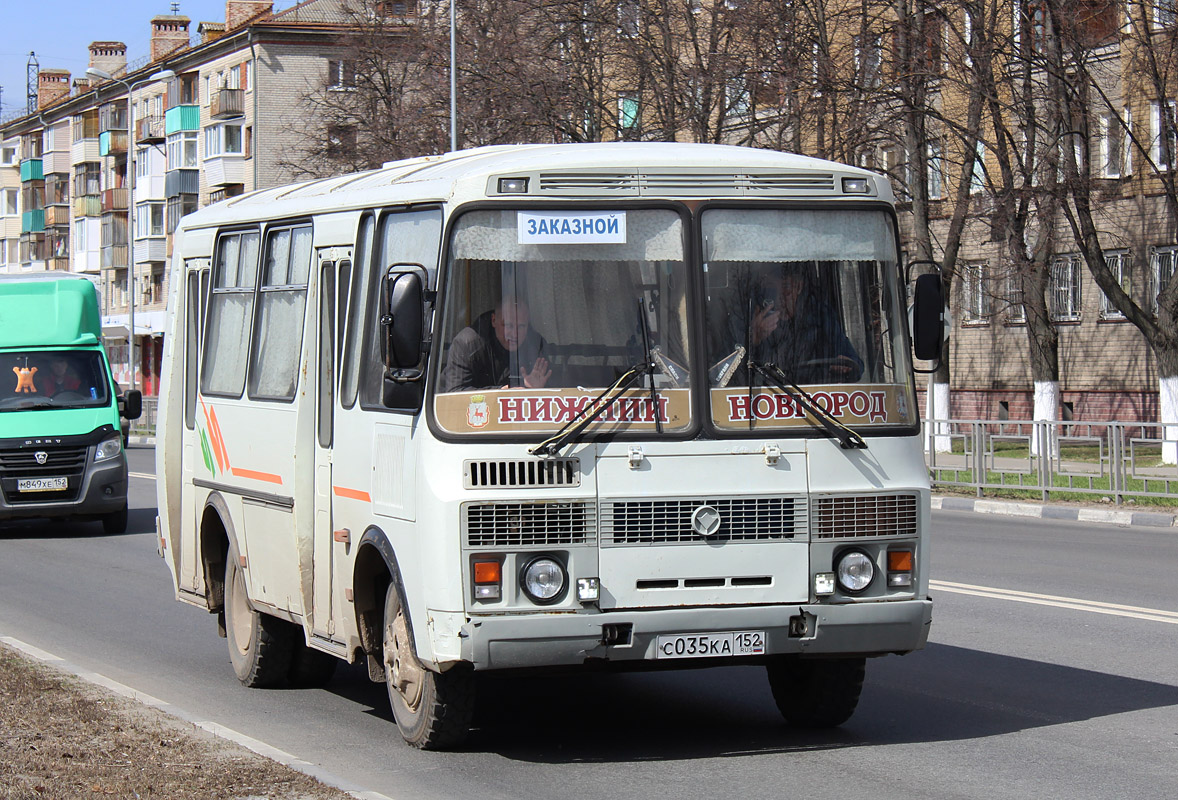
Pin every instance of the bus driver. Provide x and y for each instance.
(500, 349)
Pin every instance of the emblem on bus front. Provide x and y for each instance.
(705, 521)
(477, 413)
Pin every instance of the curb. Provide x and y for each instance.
(216, 729)
(1149, 519)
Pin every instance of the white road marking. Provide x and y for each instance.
(1055, 601)
(215, 728)
(147, 476)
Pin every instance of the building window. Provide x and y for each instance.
(223, 140)
(1162, 263)
(10, 202)
(1016, 310)
(628, 114)
(341, 75)
(87, 179)
(1118, 263)
(935, 171)
(1113, 145)
(149, 219)
(1164, 13)
(868, 58)
(1065, 289)
(629, 17)
(1163, 135)
(80, 235)
(8, 155)
(977, 180)
(975, 304)
(179, 206)
(182, 150)
(737, 97)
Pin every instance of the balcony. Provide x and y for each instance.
(153, 249)
(112, 143)
(227, 103)
(181, 118)
(112, 118)
(60, 263)
(31, 169)
(181, 181)
(149, 130)
(58, 215)
(114, 256)
(89, 205)
(114, 200)
(224, 170)
(32, 221)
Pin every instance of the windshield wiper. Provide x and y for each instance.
(572, 429)
(644, 324)
(848, 439)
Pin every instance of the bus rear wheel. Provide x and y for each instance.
(817, 693)
(433, 710)
(260, 646)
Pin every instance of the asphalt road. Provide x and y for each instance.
(1052, 672)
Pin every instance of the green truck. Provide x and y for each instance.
(61, 439)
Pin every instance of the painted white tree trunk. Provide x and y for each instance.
(1168, 416)
(937, 408)
(1046, 409)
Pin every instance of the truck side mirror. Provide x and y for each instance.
(927, 323)
(403, 322)
(131, 404)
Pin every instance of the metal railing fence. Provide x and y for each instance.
(1054, 459)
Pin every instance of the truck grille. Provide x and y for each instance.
(857, 516)
(521, 473)
(744, 519)
(20, 464)
(542, 524)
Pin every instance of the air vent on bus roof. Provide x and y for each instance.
(590, 183)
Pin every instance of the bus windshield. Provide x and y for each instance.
(50, 379)
(804, 298)
(545, 310)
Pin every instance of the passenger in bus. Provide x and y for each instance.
(499, 350)
(798, 331)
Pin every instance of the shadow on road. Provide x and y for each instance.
(139, 520)
(940, 694)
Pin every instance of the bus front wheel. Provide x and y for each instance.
(818, 693)
(433, 710)
(260, 646)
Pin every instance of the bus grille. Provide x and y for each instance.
(743, 519)
(863, 515)
(686, 183)
(67, 462)
(544, 524)
(521, 474)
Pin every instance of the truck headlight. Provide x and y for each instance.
(543, 580)
(108, 448)
(855, 571)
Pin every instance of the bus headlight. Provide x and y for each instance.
(543, 580)
(855, 571)
(108, 448)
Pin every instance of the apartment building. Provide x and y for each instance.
(96, 181)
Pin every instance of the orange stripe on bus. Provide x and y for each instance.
(268, 477)
(220, 439)
(353, 494)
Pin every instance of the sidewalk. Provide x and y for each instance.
(1118, 515)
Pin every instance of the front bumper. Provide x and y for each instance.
(566, 639)
(103, 490)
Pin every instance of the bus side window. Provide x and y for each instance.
(278, 331)
(356, 305)
(231, 307)
(192, 311)
(406, 237)
(327, 352)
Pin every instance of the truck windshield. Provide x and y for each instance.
(53, 379)
(812, 297)
(544, 310)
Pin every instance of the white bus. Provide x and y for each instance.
(550, 406)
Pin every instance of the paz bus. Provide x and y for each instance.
(536, 407)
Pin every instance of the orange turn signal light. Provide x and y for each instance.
(488, 572)
(899, 561)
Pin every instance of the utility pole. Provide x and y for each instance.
(34, 70)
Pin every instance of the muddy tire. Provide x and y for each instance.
(115, 523)
(820, 693)
(260, 646)
(433, 710)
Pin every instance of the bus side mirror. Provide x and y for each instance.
(927, 325)
(131, 404)
(403, 323)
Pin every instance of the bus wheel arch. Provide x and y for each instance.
(375, 569)
(216, 535)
